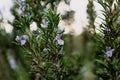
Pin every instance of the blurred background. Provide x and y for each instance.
(75, 10)
(79, 18)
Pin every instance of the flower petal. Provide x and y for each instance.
(23, 42)
(60, 42)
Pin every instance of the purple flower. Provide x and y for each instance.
(109, 52)
(44, 24)
(58, 36)
(21, 39)
(59, 40)
(21, 8)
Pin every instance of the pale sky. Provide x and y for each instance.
(79, 6)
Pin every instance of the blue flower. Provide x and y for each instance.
(59, 40)
(21, 39)
(58, 36)
(21, 8)
(109, 52)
